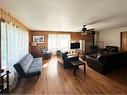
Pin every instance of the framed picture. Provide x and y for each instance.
(38, 39)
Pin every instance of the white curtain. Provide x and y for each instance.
(14, 46)
(58, 42)
(3, 46)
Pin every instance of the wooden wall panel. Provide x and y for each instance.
(45, 34)
(74, 36)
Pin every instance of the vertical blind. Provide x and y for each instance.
(58, 42)
(14, 45)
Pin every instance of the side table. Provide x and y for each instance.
(76, 64)
(4, 88)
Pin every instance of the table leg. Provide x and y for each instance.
(84, 68)
(7, 81)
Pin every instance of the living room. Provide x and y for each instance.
(87, 37)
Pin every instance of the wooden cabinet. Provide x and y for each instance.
(36, 51)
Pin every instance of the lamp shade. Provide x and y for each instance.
(34, 44)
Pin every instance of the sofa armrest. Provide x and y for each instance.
(72, 58)
(19, 69)
(91, 59)
(94, 63)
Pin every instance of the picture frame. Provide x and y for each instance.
(38, 39)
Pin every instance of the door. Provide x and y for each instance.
(123, 41)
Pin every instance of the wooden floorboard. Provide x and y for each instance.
(57, 80)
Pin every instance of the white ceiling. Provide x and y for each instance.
(68, 15)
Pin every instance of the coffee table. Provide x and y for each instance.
(76, 64)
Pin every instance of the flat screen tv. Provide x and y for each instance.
(75, 45)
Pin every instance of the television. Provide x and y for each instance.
(75, 45)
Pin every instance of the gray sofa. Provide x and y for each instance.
(29, 66)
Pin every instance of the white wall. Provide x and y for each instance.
(111, 37)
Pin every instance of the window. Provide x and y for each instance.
(14, 45)
(3, 45)
(58, 42)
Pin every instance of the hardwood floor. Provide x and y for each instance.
(57, 80)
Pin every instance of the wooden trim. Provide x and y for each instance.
(121, 41)
(6, 16)
(2, 20)
(55, 31)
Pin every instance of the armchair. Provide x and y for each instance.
(45, 54)
(66, 60)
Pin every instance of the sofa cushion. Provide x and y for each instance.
(29, 66)
(35, 68)
(26, 62)
(37, 62)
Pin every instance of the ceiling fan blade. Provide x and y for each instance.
(91, 29)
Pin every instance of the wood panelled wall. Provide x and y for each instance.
(7, 17)
(74, 36)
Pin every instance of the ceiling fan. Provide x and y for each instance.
(87, 31)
